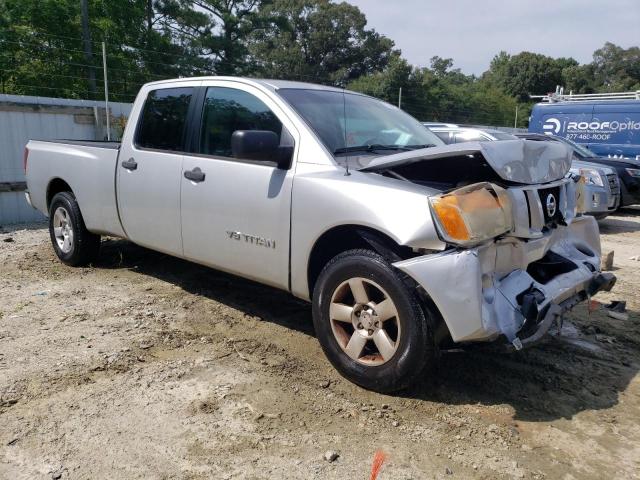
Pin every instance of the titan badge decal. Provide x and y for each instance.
(252, 239)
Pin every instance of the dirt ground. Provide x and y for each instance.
(146, 366)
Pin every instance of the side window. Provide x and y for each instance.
(163, 119)
(444, 136)
(227, 110)
(468, 136)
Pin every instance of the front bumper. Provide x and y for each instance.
(509, 287)
(542, 322)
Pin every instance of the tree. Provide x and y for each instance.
(42, 52)
(616, 69)
(578, 79)
(439, 93)
(218, 28)
(386, 84)
(526, 73)
(317, 40)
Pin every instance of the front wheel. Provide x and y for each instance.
(73, 243)
(370, 323)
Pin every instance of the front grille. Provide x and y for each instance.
(531, 217)
(614, 188)
(614, 183)
(550, 201)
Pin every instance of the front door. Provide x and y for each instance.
(149, 170)
(235, 211)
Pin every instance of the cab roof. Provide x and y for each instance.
(270, 84)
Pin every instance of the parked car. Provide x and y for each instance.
(457, 134)
(439, 125)
(403, 245)
(607, 124)
(628, 169)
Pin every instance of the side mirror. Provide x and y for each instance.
(260, 145)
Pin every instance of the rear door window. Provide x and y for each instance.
(163, 120)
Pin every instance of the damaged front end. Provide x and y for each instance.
(513, 287)
(519, 253)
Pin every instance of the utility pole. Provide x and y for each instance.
(149, 16)
(86, 43)
(106, 90)
(515, 122)
(400, 98)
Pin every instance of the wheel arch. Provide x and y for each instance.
(341, 238)
(56, 185)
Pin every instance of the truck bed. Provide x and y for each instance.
(113, 145)
(88, 168)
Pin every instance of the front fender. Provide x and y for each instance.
(325, 198)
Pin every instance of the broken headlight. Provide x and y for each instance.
(472, 214)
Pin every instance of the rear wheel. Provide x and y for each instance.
(73, 243)
(370, 324)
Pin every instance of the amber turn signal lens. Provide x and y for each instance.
(448, 211)
(472, 214)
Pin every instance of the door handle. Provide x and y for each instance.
(130, 164)
(195, 175)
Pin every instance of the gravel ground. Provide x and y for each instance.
(146, 366)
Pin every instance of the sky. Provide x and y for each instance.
(473, 31)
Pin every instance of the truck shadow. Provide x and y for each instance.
(558, 378)
(616, 225)
(253, 299)
(561, 377)
(585, 368)
(627, 219)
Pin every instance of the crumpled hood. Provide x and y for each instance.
(521, 161)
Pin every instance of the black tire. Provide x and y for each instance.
(84, 245)
(415, 348)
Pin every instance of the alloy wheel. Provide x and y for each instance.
(365, 321)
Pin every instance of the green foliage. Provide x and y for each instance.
(439, 93)
(41, 50)
(616, 69)
(321, 41)
(317, 40)
(527, 73)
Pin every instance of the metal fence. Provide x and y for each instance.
(23, 118)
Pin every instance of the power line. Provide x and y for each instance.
(76, 77)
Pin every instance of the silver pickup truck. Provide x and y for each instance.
(405, 246)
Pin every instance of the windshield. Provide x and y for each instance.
(348, 123)
(578, 149)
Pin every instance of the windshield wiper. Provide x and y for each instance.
(418, 147)
(377, 147)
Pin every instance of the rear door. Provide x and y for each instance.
(149, 169)
(236, 213)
